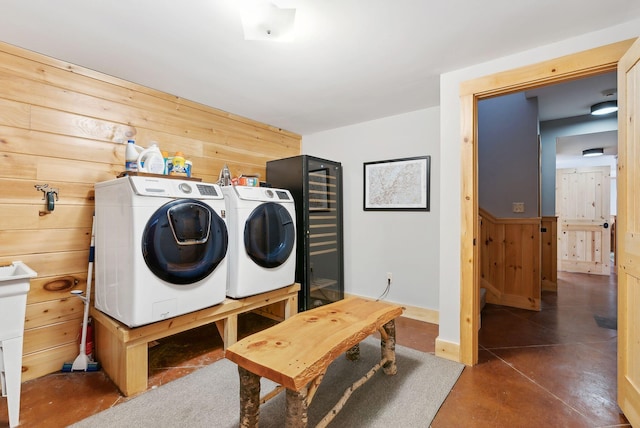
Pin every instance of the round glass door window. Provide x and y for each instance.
(184, 241)
(269, 235)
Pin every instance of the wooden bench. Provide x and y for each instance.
(297, 352)
(123, 351)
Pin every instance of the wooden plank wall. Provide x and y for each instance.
(67, 127)
(510, 260)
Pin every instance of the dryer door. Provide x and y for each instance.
(184, 241)
(269, 235)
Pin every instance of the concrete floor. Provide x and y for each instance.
(556, 367)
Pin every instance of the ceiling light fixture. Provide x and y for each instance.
(263, 20)
(604, 107)
(593, 152)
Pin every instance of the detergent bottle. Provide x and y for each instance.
(151, 160)
(178, 167)
(131, 156)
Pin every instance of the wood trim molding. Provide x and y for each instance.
(509, 220)
(574, 66)
(578, 65)
(447, 350)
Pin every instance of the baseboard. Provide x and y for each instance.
(444, 349)
(414, 312)
(548, 285)
(447, 350)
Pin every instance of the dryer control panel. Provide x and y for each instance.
(263, 194)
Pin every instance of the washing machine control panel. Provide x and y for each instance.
(208, 190)
(185, 188)
(173, 188)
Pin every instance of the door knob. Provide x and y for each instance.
(606, 225)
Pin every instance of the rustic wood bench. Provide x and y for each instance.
(123, 351)
(297, 352)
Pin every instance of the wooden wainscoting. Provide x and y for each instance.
(510, 260)
(67, 127)
(549, 253)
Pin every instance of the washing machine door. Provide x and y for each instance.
(269, 235)
(184, 241)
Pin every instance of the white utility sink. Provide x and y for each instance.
(14, 286)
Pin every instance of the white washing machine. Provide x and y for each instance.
(262, 239)
(160, 248)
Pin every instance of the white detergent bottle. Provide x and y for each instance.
(151, 160)
(131, 156)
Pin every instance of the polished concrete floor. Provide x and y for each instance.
(553, 368)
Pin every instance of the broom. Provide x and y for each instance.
(82, 361)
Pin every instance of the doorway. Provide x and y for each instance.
(519, 136)
(584, 64)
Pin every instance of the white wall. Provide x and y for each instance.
(508, 155)
(450, 156)
(376, 242)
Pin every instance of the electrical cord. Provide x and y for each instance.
(385, 292)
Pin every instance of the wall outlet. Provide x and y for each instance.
(518, 207)
(389, 277)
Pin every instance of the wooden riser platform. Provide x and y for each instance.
(123, 351)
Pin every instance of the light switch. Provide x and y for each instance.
(518, 207)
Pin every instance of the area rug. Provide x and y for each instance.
(209, 397)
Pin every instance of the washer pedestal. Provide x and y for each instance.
(123, 351)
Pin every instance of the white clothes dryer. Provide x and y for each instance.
(160, 248)
(262, 239)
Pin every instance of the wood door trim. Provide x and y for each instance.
(582, 64)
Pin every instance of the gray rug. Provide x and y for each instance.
(209, 397)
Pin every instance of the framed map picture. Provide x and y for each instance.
(397, 184)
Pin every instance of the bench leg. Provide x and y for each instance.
(296, 409)
(353, 354)
(249, 398)
(388, 348)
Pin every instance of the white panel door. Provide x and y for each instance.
(583, 210)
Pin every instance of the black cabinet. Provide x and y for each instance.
(316, 186)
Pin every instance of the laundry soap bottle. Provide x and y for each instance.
(151, 160)
(131, 156)
(178, 167)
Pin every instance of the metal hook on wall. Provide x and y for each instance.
(50, 194)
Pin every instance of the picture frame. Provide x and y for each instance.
(397, 184)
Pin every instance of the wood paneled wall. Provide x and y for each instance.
(549, 253)
(67, 126)
(510, 260)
